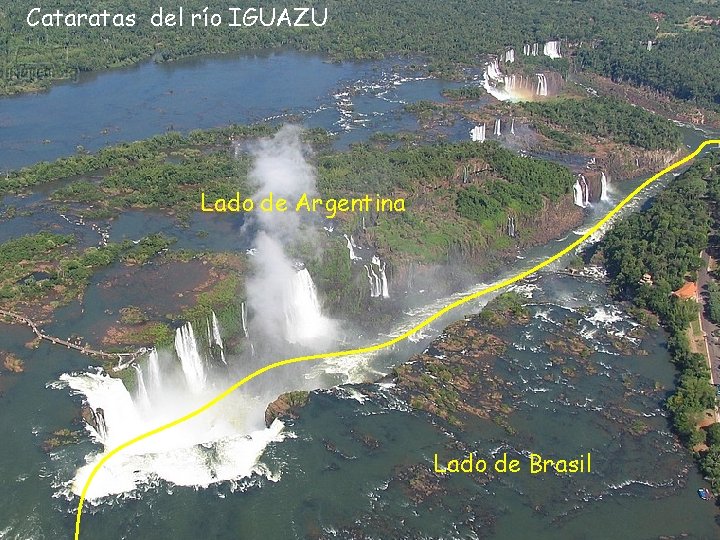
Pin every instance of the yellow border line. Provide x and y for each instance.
(388, 343)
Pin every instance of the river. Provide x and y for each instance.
(645, 486)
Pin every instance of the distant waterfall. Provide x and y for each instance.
(374, 279)
(580, 192)
(153, 371)
(552, 49)
(303, 318)
(363, 223)
(510, 56)
(649, 45)
(496, 129)
(142, 393)
(526, 49)
(492, 70)
(477, 133)
(216, 338)
(512, 126)
(383, 278)
(351, 248)
(243, 319)
(193, 365)
(535, 49)
(603, 187)
(511, 227)
(542, 87)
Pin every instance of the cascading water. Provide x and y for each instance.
(496, 129)
(526, 49)
(142, 393)
(511, 226)
(510, 56)
(603, 188)
(351, 248)
(542, 86)
(383, 289)
(374, 279)
(154, 379)
(492, 70)
(552, 49)
(477, 133)
(193, 365)
(580, 192)
(512, 126)
(243, 318)
(304, 321)
(535, 49)
(649, 45)
(216, 338)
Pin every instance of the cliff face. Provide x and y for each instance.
(628, 162)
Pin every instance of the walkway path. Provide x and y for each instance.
(81, 348)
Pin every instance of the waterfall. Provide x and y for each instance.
(542, 87)
(510, 56)
(216, 338)
(142, 393)
(649, 45)
(303, 317)
(383, 289)
(351, 248)
(363, 223)
(477, 133)
(492, 70)
(153, 371)
(603, 187)
(374, 279)
(552, 49)
(512, 126)
(535, 49)
(580, 192)
(101, 423)
(193, 365)
(511, 226)
(496, 129)
(243, 318)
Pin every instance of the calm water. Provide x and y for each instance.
(644, 486)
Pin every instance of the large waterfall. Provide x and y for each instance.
(496, 129)
(304, 321)
(477, 133)
(552, 49)
(193, 365)
(581, 195)
(603, 188)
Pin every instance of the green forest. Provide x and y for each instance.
(613, 34)
(611, 118)
(665, 241)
